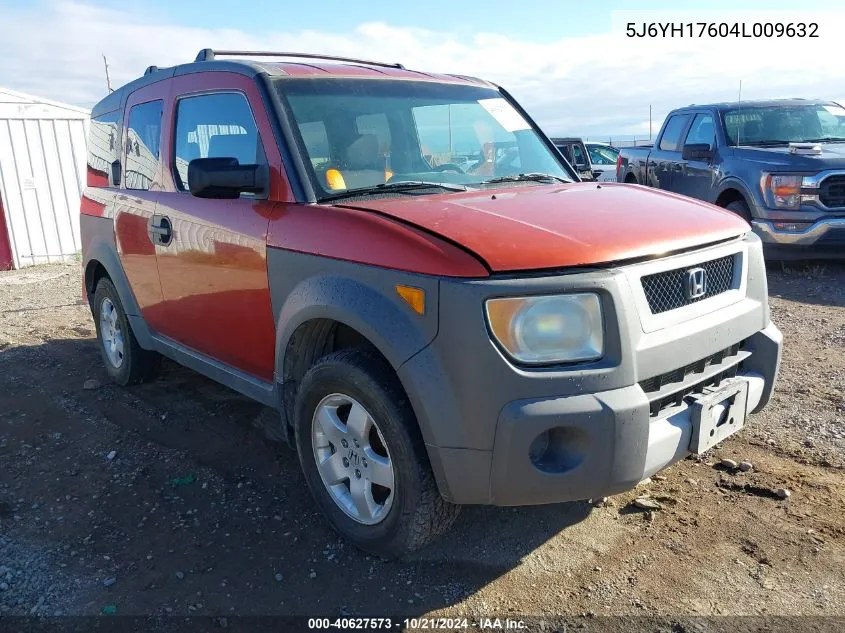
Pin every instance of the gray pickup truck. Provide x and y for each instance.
(779, 164)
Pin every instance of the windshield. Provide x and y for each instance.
(362, 133)
(780, 125)
(602, 154)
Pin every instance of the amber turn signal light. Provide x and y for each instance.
(414, 297)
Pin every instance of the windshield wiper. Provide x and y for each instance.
(826, 139)
(532, 177)
(398, 186)
(772, 143)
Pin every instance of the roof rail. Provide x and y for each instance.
(208, 54)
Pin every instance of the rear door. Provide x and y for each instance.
(213, 266)
(664, 161)
(136, 201)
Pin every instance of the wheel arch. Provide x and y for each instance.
(101, 259)
(732, 190)
(324, 314)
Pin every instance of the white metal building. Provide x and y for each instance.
(42, 172)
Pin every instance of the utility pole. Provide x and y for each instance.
(649, 123)
(108, 81)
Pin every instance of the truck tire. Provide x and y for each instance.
(740, 207)
(126, 362)
(363, 457)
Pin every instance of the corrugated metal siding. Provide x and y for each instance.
(42, 171)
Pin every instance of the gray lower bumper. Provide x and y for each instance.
(823, 231)
(605, 442)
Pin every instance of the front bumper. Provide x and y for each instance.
(479, 414)
(606, 442)
(823, 238)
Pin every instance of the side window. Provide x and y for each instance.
(143, 141)
(672, 133)
(214, 126)
(104, 149)
(701, 131)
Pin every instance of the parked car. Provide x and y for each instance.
(430, 336)
(603, 159)
(779, 165)
(576, 154)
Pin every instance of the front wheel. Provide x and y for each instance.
(363, 457)
(740, 207)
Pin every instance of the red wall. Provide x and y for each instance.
(5, 246)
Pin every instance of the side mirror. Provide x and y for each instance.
(225, 178)
(697, 151)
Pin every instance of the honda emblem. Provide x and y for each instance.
(696, 283)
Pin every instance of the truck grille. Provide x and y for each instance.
(832, 191)
(671, 388)
(667, 290)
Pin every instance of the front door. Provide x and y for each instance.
(135, 202)
(696, 178)
(213, 269)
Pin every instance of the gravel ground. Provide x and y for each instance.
(163, 499)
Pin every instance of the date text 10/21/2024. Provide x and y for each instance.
(418, 624)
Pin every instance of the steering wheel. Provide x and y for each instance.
(449, 167)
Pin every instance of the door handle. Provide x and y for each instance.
(161, 230)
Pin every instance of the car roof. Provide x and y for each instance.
(763, 103)
(566, 139)
(287, 65)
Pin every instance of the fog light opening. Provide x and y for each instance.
(558, 450)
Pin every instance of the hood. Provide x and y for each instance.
(549, 226)
(832, 157)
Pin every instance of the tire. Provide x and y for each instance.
(740, 207)
(413, 512)
(126, 363)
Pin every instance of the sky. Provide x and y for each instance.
(568, 63)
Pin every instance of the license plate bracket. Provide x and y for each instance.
(718, 414)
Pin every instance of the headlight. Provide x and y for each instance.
(548, 329)
(782, 191)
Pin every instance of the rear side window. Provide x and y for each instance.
(143, 142)
(672, 133)
(215, 126)
(104, 149)
(702, 132)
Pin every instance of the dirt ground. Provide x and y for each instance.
(163, 499)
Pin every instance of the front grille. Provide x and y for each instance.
(671, 388)
(832, 191)
(667, 290)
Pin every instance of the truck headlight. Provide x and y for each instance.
(782, 191)
(548, 329)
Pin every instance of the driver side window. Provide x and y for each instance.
(215, 126)
(702, 131)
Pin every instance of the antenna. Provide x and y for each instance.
(649, 122)
(106, 64)
(739, 116)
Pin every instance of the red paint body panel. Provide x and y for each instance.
(6, 259)
(311, 68)
(367, 238)
(536, 227)
(214, 272)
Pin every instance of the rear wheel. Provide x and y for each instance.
(363, 458)
(126, 362)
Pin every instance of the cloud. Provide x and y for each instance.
(594, 85)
